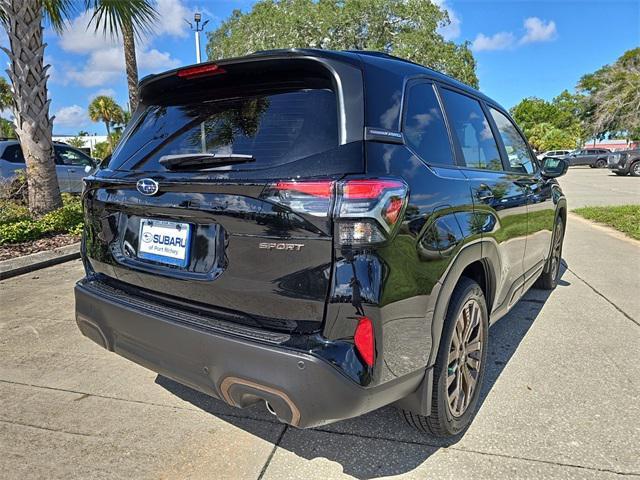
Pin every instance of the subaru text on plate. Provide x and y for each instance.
(325, 232)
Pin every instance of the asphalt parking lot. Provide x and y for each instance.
(561, 400)
(586, 186)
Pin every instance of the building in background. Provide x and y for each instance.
(89, 141)
(613, 145)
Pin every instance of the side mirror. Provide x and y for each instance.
(554, 167)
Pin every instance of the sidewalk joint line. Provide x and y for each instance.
(629, 317)
(273, 452)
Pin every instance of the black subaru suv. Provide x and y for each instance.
(325, 232)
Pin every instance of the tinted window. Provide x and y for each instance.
(13, 154)
(471, 127)
(520, 159)
(274, 128)
(424, 127)
(69, 156)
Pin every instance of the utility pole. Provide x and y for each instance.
(197, 28)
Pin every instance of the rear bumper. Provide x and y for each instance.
(304, 390)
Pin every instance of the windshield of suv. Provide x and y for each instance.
(274, 128)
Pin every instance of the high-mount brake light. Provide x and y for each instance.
(200, 71)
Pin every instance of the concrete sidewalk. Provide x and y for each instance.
(561, 398)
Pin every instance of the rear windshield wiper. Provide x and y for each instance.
(200, 161)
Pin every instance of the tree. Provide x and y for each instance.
(24, 21)
(105, 109)
(406, 28)
(6, 97)
(613, 97)
(76, 142)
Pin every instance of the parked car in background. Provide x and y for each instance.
(72, 164)
(318, 247)
(554, 153)
(625, 162)
(593, 157)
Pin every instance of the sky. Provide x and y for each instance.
(522, 48)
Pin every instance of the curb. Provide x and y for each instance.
(36, 261)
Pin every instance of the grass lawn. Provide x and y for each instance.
(625, 218)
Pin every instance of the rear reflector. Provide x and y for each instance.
(365, 341)
(200, 71)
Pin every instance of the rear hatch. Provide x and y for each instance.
(201, 204)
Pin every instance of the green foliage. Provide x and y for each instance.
(612, 97)
(6, 96)
(105, 109)
(76, 142)
(625, 218)
(551, 125)
(405, 28)
(7, 128)
(101, 150)
(11, 212)
(17, 225)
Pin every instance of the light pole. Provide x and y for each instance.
(197, 28)
(197, 18)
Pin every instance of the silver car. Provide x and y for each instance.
(72, 164)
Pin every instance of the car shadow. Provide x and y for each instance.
(398, 447)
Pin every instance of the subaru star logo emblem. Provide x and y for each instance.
(147, 186)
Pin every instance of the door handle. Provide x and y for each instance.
(484, 193)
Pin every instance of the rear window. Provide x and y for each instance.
(275, 127)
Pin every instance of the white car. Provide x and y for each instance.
(554, 153)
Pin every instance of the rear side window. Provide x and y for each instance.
(520, 159)
(69, 156)
(275, 128)
(13, 154)
(471, 127)
(424, 127)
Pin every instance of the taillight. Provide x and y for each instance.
(200, 71)
(366, 211)
(364, 340)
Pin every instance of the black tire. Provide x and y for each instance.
(548, 280)
(634, 169)
(442, 422)
(621, 174)
(601, 163)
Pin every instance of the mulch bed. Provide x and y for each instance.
(40, 245)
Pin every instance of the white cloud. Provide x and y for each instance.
(108, 92)
(451, 31)
(538, 30)
(106, 66)
(80, 37)
(498, 41)
(71, 116)
(171, 18)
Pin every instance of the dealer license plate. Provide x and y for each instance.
(164, 242)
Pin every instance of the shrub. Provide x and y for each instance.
(21, 227)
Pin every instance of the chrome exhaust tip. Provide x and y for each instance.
(269, 408)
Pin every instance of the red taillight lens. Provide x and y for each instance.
(392, 210)
(364, 340)
(320, 188)
(368, 189)
(200, 71)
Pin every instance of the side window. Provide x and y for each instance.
(424, 127)
(520, 159)
(68, 156)
(13, 154)
(471, 127)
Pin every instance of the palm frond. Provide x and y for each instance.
(58, 12)
(113, 15)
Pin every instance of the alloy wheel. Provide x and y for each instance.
(465, 356)
(556, 253)
(636, 169)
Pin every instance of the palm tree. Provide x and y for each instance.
(6, 98)
(105, 109)
(23, 21)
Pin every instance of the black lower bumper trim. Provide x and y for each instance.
(304, 390)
